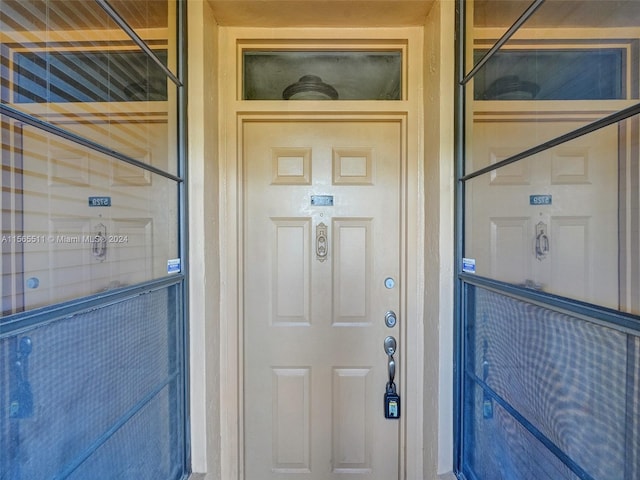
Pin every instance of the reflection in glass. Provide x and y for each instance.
(156, 23)
(552, 74)
(485, 13)
(83, 222)
(569, 65)
(578, 52)
(534, 81)
(100, 391)
(80, 71)
(549, 222)
(491, 20)
(115, 76)
(568, 14)
(565, 222)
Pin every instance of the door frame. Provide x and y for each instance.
(233, 112)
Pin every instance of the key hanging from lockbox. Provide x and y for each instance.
(391, 397)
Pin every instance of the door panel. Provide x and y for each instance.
(315, 298)
(579, 223)
(59, 177)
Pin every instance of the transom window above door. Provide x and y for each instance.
(278, 74)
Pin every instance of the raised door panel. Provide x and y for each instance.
(549, 221)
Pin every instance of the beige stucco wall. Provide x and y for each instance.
(439, 239)
(204, 261)
(204, 253)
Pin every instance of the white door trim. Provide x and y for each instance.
(232, 113)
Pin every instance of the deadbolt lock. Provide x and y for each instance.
(390, 319)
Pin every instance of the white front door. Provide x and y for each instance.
(322, 265)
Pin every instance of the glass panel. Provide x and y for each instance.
(490, 20)
(576, 382)
(95, 395)
(586, 14)
(155, 22)
(551, 222)
(547, 394)
(57, 77)
(553, 74)
(579, 52)
(322, 75)
(69, 64)
(82, 222)
(498, 16)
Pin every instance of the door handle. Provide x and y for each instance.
(390, 346)
(392, 369)
(99, 247)
(542, 241)
(391, 397)
(322, 243)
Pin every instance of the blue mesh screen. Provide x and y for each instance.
(548, 395)
(96, 395)
(498, 447)
(146, 436)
